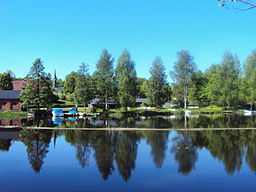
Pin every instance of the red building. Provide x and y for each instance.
(19, 84)
(9, 100)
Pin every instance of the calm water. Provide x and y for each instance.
(75, 160)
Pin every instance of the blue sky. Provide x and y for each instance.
(64, 33)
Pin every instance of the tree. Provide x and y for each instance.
(182, 74)
(104, 78)
(38, 92)
(240, 4)
(197, 91)
(250, 78)
(141, 87)
(158, 90)
(83, 92)
(223, 81)
(70, 83)
(6, 81)
(126, 77)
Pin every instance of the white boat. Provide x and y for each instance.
(249, 112)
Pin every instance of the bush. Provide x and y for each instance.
(70, 97)
(92, 110)
(62, 97)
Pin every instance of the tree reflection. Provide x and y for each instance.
(81, 141)
(110, 147)
(103, 144)
(37, 143)
(5, 144)
(158, 142)
(185, 153)
(126, 153)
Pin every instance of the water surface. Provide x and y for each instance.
(76, 160)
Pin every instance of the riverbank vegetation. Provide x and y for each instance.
(225, 85)
(12, 114)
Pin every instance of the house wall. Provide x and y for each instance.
(19, 85)
(10, 104)
(10, 122)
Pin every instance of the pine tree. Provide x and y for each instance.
(38, 92)
(158, 90)
(104, 78)
(83, 91)
(126, 77)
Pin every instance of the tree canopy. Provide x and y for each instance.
(158, 90)
(126, 77)
(223, 81)
(38, 92)
(83, 92)
(6, 81)
(182, 74)
(104, 78)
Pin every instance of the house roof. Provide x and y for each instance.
(97, 100)
(141, 100)
(9, 94)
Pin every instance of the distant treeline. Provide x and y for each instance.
(226, 84)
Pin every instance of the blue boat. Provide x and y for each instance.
(57, 112)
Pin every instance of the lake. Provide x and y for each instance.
(135, 160)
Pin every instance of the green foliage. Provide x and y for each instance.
(62, 97)
(197, 91)
(83, 92)
(70, 97)
(38, 92)
(6, 81)
(126, 77)
(158, 90)
(250, 78)
(104, 80)
(12, 114)
(223, 81)
(70, 83)
(182, 75)
(142, 87)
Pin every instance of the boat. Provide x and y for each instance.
(57, 112)
(249, 112)
(57, 120)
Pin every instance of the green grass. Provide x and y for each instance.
(138, 110)
(13, 114)
(207, 109)
(64, 104)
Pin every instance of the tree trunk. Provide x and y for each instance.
(185, 97)
(106, 104)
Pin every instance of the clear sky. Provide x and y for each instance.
(64, 33)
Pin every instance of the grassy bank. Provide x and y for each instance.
(202, 110)
(138, 112)
(13, 114)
